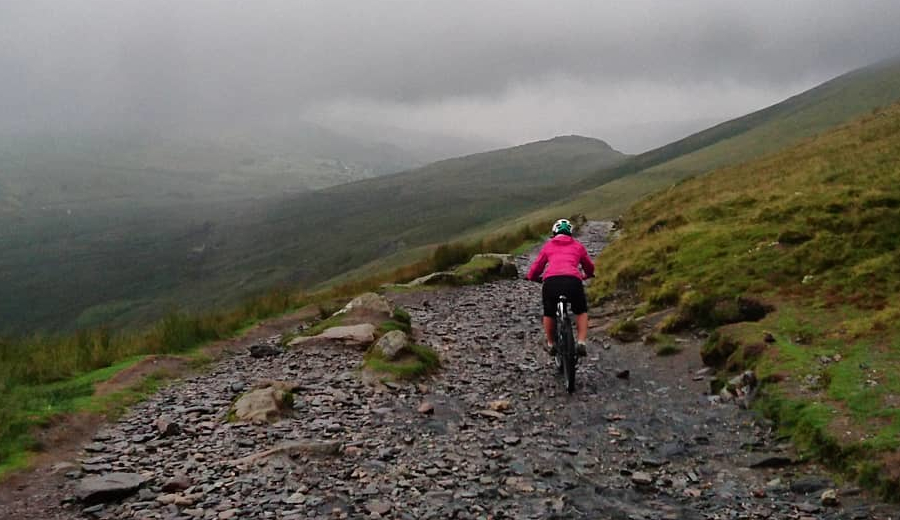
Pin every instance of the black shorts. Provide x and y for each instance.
(569, 286)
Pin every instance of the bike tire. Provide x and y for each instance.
(558, 357)
(568, 355)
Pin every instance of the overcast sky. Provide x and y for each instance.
(634, 73)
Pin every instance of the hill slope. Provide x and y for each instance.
(810, 233)
(192, 254)
(754, 135)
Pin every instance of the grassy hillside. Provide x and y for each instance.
(754, 135)
(806, 242)
(118, 264)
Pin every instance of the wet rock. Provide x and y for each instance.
(166, 427)
(806, 507)
(810, 484)
(108, 488)
(264, 405)
(505, 268)
(436, 278)
(392, 344)
(361, 335)
(263, 351)
(293, 449)
(640, 478)
(366, 304)
(378, 507)
(179, 482)
(95, 447)
(499, 405)
(491, 414)
(829, 498)
(770, 460)
(296, 498)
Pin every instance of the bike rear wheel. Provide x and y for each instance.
(567, 357)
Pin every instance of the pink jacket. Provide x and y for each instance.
(561, 255)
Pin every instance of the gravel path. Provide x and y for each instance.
(504, 440)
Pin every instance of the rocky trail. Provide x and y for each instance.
(492, 435)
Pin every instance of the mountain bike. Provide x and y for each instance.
(566, 357)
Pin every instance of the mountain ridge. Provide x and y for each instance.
(197, 253)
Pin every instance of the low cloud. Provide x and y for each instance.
(505, 70)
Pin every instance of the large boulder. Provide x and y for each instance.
(437, 278)
(360, 335)
(267, 404)
(483, 267)
(108, 488)
(392, 344)
(293, 449)
(505, 267)
(366, 308)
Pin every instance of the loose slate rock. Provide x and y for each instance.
(177, 483)
(641, 478)
(810, 484)
(830, 498)
(167, 427)
(108, 488)
(770, 460)
(378, 507)
(263, 351)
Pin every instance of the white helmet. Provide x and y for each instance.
(562, 226)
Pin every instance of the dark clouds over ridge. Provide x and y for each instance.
(508, 71)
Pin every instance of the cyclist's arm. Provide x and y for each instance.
(587, 265)
(537, 268)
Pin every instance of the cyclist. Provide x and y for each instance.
(558, 265)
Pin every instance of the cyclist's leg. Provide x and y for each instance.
(549, 326)
(581, 322)
(550, 291)
(579, 309)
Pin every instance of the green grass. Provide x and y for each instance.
(525, 247)
(667, 349)
(624, 329)
(24, 407)
(801, 244)
(390, 325)
(322, 326)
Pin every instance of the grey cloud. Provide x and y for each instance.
(205, 61)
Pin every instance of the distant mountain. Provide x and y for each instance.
(149, 168)
(739, 140)
(138, 261)
(423, 145)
